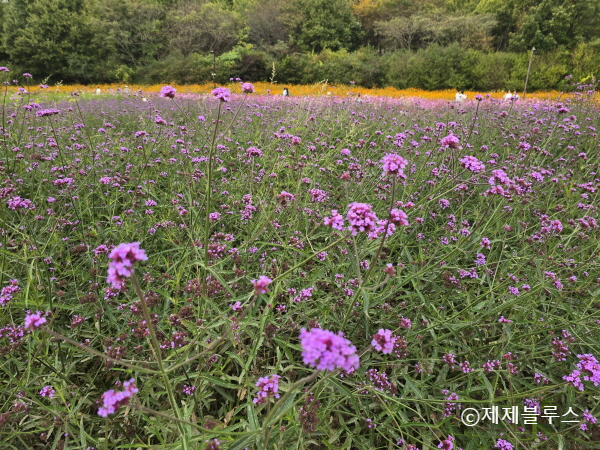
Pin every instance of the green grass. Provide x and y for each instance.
(223, 352)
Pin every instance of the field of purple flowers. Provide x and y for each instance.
(237, 271)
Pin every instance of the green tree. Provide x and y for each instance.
(315, 25)
(194, 26)
(135, 27)
(551, 23)
(544, 24)
(62, 38)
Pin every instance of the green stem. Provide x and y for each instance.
(282, 400)
(214, 344)
(188, 423)
(99, 354)
(473, 120)
(374, 262)
(208, 189)
(157, 354)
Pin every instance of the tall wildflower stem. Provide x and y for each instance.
(63, 163)
(374, 262)
(99, 354)
(282, 400)
(4, 125)
(93, 158)
(157, 354)
(106, 433)
(473, 120)
(216, 343)
(209, 187)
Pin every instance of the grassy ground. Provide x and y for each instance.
(490, 291)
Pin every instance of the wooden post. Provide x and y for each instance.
(214, 70)
(528, 70)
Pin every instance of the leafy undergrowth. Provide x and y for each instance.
(455, 246)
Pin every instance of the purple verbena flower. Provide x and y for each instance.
(503, 445)
(113, 400)
(47, 112)
(123, 256)
(399, 217)
(472, 163)
(34, 320)
(222, 94)
(384, 341)
(361, 218)
(47, 391)
(6, 295)
(268, 387)
(393, 164)
(325, 350)
(336, 220)
(168, 92)
(247, 88)
(447, 444)
(450, 141)
(260, 285)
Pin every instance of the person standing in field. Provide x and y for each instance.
(460, 96)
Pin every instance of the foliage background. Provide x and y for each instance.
(431, 44)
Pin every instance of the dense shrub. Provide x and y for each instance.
(435, 67)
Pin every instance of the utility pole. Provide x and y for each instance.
(528, 70)
(214, 70)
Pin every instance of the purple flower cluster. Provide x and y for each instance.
(253, 151)
(121, 267)
(450, 406)
(47, 112)
(47, 391)
(589, 419)
(285, 198)
(34, 320)
(399, 217)
(114, 400)
(268, 387)
(472, 163)
(336, 221)
(384, 341)
(168, 92)
(393, 164)
(450, 141)
(503, 445)
(588, 369)
(16, 203)
(325, 350)
(260, 285)
(222, 94)
(447, 444)
(247, 88)
(361, 218)
(380, 381)
(6, 295)
(215, 444)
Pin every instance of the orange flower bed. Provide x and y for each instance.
(318, 89)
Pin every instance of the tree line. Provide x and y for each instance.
(432, 44)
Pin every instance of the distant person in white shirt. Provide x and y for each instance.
(460, 96)
(286, 92)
